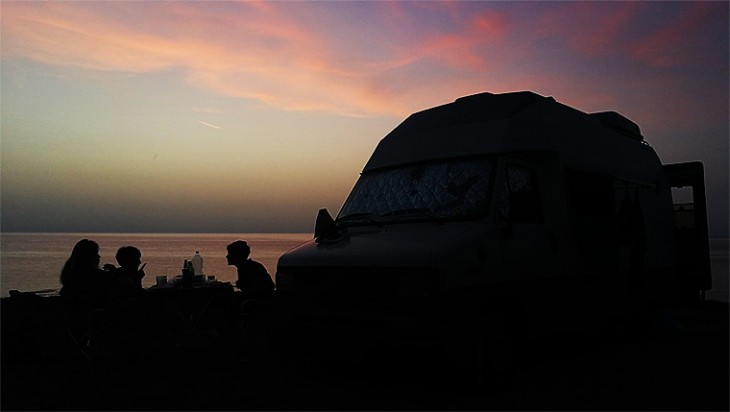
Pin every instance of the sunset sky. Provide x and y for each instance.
(203, 116)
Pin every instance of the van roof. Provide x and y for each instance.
(488, 123)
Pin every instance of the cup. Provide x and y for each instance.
(160, 280)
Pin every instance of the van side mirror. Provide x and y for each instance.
(324, 226)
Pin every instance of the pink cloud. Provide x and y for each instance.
(261, 51)
(673, 43)
(463, 50)
(255, 52)
(638, 31)
(272, 52)
(588, 27)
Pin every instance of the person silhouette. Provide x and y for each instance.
(253, 279)
(129, 258)
(88, 292)
(257, 292)
(83, 284)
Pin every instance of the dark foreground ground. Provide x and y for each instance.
(682, 367)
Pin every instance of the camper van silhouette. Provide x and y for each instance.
(481, 224)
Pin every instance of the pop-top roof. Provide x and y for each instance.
(488, 123)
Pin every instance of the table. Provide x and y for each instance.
(203, 313)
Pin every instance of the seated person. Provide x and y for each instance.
(87, 289)
(83, 284)
(253, 279)
(129, 259)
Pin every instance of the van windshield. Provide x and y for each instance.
(446, 190)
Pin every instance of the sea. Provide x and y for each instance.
(33, 261)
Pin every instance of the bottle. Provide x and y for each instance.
(187, 274)
(198, 263)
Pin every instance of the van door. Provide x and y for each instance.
(690, 223)
(529, 243)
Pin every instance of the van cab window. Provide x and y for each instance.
(519, 199)
(445, 190)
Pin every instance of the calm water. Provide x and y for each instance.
(33, 261)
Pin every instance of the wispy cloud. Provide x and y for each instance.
(212, 126)
(272, 53)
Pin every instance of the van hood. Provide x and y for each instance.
(398, 245)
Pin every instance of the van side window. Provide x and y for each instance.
(519, 200)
